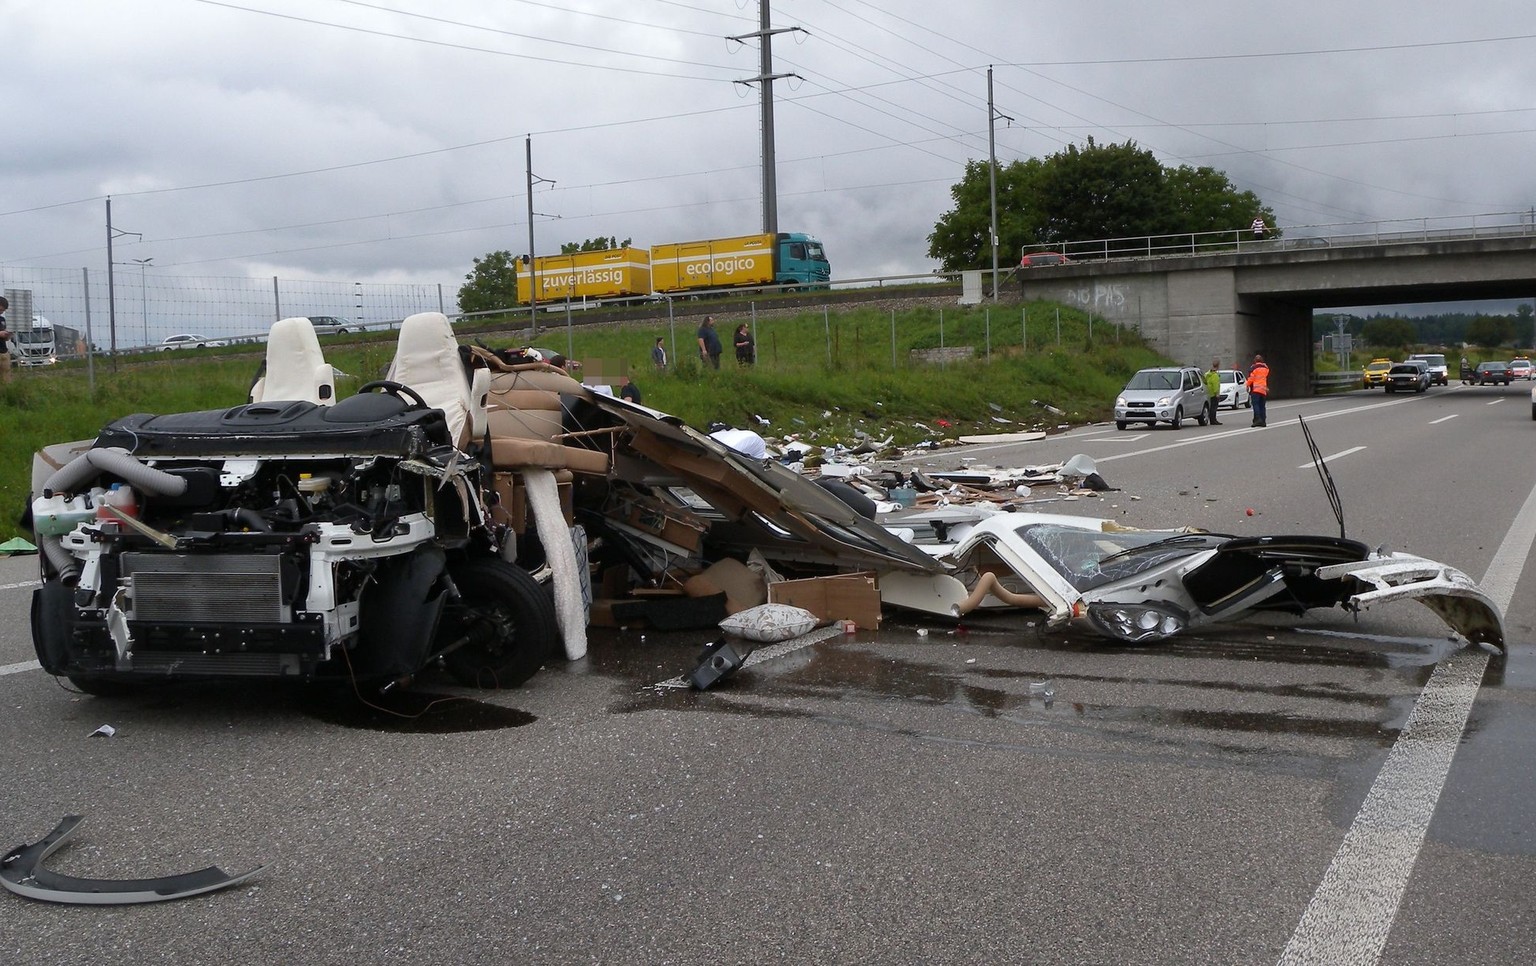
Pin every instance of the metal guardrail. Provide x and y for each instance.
(1342, 381)
(1500, 224)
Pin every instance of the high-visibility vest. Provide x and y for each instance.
(1258, 379)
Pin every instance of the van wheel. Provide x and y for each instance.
(1178, 418)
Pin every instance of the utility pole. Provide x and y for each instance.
(533, 280)
(144, 295)
(766, 77)
(992, 117)
(113, 233)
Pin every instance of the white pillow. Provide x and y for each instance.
(770, 623)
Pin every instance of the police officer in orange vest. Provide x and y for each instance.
(1258, 388)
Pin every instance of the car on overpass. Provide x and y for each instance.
(1376, 372)
(1490, 373)
(1035, 259)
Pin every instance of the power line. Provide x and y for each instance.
(470, 48)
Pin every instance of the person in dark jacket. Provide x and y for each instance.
(709, 342)
(746, 349)
(628, 390)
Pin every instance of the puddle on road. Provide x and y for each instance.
(412, 712)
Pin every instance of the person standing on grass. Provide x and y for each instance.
(659, 354)
(746, 349)
(5, 342)
(1212, 392)
(1258, 388)
(709, 343)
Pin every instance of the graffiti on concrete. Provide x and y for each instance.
(1103, 299)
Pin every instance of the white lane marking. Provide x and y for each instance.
(1436, 422)
(25, 583)
(1313, 465)
(1494, 403)
(1208, 437)
(18, 668)
(1351, 912)
(766, 653)
(1133, 438)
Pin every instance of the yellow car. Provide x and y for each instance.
(1376, 372)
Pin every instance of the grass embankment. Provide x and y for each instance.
(809, 366)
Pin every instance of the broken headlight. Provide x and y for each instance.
(1137, 622)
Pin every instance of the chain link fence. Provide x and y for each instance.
(137, 309)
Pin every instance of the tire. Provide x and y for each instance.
(1120, 425)
(509, 619)
(1389, 389)
(1178, 418)
(1201, 419)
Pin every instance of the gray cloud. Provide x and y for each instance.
(333, 150)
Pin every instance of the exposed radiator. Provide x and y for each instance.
(224, 588)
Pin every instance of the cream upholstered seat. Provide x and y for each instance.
(526, 406)
(296, 368)
(427, 360)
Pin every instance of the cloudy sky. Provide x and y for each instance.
(385, 141)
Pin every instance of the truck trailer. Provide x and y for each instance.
(614, 273)
(788, 259)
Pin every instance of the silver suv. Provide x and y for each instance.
(1439, 372)
(1162, 395)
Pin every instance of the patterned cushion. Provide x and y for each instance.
(768, 623)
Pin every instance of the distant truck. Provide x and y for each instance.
(791, 259)
(39, 342)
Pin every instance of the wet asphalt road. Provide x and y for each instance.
(889, 796)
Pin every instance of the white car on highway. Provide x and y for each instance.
(1234, 389)
(187, 341)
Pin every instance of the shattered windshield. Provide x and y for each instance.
(1154, 379)
(1089, 558)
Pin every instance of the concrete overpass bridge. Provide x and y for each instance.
(1229, 296)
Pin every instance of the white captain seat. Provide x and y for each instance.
(427, 360)
(295, 368)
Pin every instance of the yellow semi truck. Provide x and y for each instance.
(788, 259)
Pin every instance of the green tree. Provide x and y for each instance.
(1389, 333)
(1490, 331)
(593, 245)
(1203, 199)
(1083, 193)
(1101, 191)
(491, 285)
